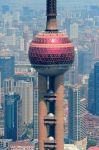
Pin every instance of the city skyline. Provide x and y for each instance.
(41, 3)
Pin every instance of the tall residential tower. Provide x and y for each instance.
(51, 54)
(77, 112)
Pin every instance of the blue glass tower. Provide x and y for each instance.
(11, 117)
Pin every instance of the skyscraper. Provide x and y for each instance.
(0, 92)
(96, 88)
(7, 63)
(51, 54)
(8, 85)
(35, 109)
(11, 115)
(91, 101)
(77, 112)
(25, 90)
(84, 61)
(93, 93)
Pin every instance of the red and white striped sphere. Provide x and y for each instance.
(51, 53)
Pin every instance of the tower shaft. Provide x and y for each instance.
(51, 127)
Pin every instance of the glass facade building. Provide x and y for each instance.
(11, 117)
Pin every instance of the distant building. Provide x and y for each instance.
(93, 92)
(70, 147)
(77, 111)
(7, 64)
(93, 148)
(21, 145)
(92, 122)
(26, 38)
(8, 85)
(1, 122)
(67, 25)
(84, 61)
(33, 80)
(25, 90)
(35, 109)
(0, 92)
(4, 144)
(11, 116)
(5, 9)
(91, 102)
(96, 87)
(74, 29)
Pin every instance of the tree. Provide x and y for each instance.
(91, 143)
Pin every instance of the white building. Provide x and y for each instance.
(70, 147)
(74, 31)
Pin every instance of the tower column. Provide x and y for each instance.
(59, 111)
(42, 111)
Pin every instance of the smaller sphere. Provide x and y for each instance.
(50, 115)
(51, 138)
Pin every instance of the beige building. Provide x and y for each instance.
(70, 147)
(25, 90)
(74, 31)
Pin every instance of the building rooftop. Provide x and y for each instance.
(93, 148)
(21, 143)
(70, 147)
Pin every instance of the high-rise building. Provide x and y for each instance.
(29, 80)
(93, 93)
(0, 92)
(11, 115)
(84, 61)
(35, 108)
(51, 53)
(26, 38)
(8, 85)
(67, 24)
(91, 101)
(25, 90)
(77, 112)
(5, 9)
(96, 88)
(74, 31)
(7, 63)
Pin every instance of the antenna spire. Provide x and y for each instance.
(51, 12)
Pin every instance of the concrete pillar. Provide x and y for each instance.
(42, 111)
(59, 111)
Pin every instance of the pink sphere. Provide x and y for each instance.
(51, 53)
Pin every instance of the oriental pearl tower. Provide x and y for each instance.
(51, 53)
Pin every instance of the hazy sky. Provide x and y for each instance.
(41, 3)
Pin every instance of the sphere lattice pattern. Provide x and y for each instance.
(51, 50)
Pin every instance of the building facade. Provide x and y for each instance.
(93, 92)
(96, 87)
(11, 116)
(6, 67)
(77, 112)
